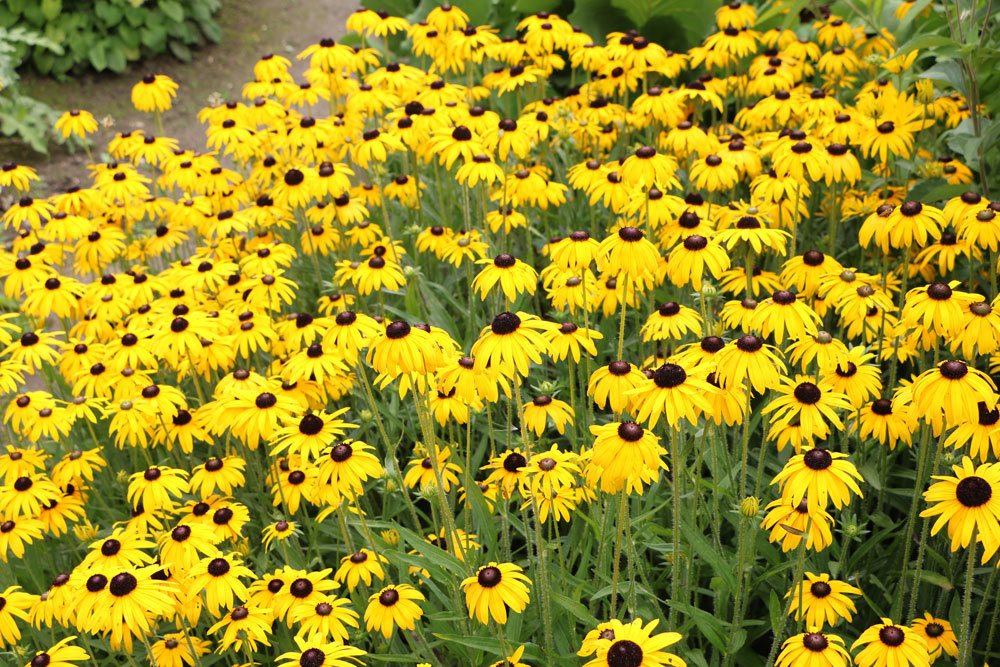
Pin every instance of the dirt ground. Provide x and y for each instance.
(250, 28)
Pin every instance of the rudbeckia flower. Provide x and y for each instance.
(625, 456)
(155, 92)
(819, 476)
(495, 588)
(512, 275)
(885, 644)
(824, 601)
(938, 634)
(813, 648)
(969, 504)
(394, 606)
(633, 644)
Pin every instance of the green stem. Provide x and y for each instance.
(965, 639)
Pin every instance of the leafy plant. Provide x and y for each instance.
(21, 116)
(106, 35)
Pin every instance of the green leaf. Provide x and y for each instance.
(933, 190)
(173, 9)
(482, 644)
(714, 629)
(936, 579)
(110, 13)
(775, 609)
(706, 552)
(394, 7)
(641, 11)
(116, 57)
(180, 51)
(98, 57)
(575, 608)
(535, 6)
(51, 8)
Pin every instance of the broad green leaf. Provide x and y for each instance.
(98, 57)
(173, 9)
(51, 8)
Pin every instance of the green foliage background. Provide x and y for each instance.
(106, 35)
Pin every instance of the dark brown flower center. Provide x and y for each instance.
(890, 635)
(817, 459)
(630, 431)
(669, 375)
(934, 629)
(505, 323)
(312, 657)
(625, 653)
(973, 491)
(820, 589)
(814, 641)
(807, 393)
(341, 452)
(514, 462)
(388, 597)
(489, 577)
(749, 343)
(939, 291)
(954, 369)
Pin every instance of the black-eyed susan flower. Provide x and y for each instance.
(953, 390)
(748, 359)
(154, 92)
(544, 408)
(219, 577)
(345, 467)
(790, 522)
(420, 471)
(938, 634)
(394, 606)
(624, 456)
(511, 343)
(885, 644)
(244, 627)
(824, 601)
(178, 649)
(315, 651)
(495, 588)
(610, 385)
(672, 392)
(61, 654)
(76, 123)
(362, 566)
(569, 341)
(512, 275)
(628, 253)
(671, 321)
(633, 644)
(819, 476)
(969, 504)
(813, 648)
(807, 404)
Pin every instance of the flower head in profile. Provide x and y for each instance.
(154, 92)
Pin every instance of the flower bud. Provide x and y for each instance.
(749, 507)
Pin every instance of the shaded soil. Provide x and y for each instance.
(250, 28)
